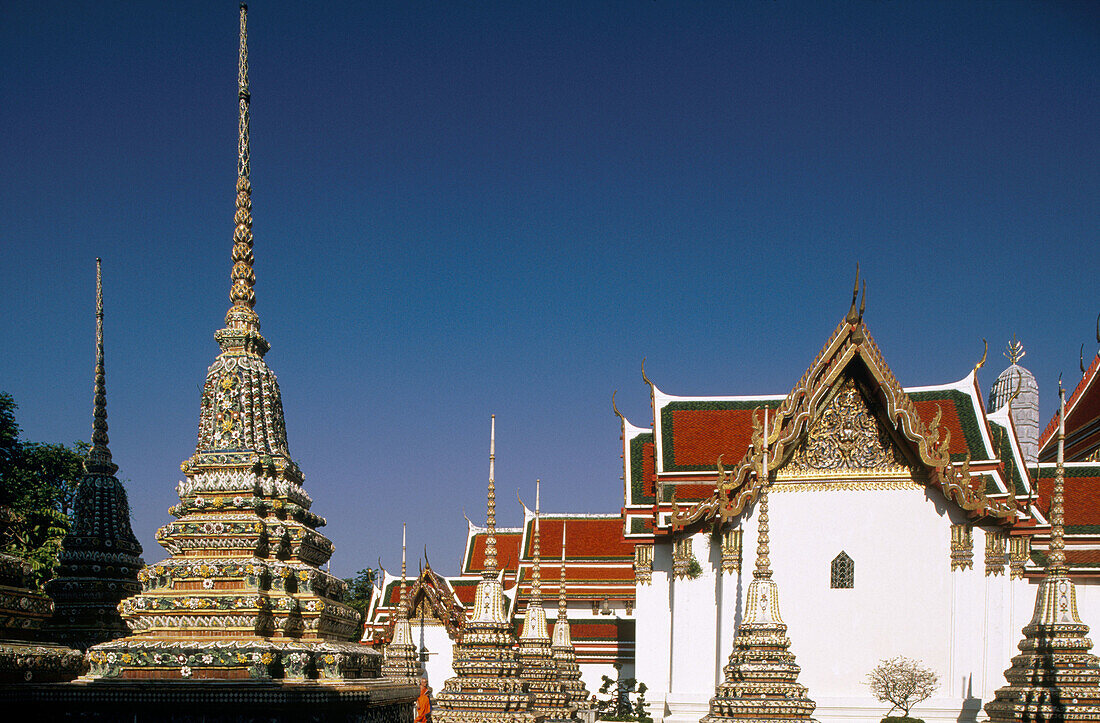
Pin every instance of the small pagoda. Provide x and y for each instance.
(565, 655)
(1055, 677)
(537, 665)
(487, 687)
(400, 658)
(243, 595)
(761, 678)
(100, 556)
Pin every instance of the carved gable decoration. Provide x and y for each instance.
(846, 437)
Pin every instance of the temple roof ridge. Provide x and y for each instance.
(851, 345)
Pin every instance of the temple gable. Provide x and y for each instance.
(845, 438)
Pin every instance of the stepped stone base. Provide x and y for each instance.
(351, 701)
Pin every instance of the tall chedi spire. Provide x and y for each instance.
(537, 665)
(401, 659)
(243, 594)
(1055, 677)
(100, 556)
(761, 678)
(486, 687)
(565, 656)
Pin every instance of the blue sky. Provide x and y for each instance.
(474, 208)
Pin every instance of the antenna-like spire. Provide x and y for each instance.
(1015, 351)
(536, 573)
(763, 564)
(98, 459)
(241, 315)
(561, 579)
(491, 505)
(404, 602)
(1056, 563)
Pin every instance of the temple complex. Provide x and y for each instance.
(486, 686)
(1055, 677)
(100, 556)
(401, 659)
(537, 664)
(565, 656)
(854, 458)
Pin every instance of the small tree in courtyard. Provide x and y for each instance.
(902, 682)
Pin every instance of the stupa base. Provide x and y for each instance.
(29, 661)
(218, 701)
(250, 659)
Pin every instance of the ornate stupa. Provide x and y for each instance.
(536, 657)
(243, 594)
(401, 660)
(1017, 386)
(1055, 677)
(23, 611)
(761, 678)
(565, 655)
(100, 557)
(487, 687)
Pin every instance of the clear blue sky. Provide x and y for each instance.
(468, 208)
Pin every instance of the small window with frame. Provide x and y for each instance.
(843, 572)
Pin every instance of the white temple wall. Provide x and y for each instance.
(652, 610)
(694, 636)
(440, 655)
(906, 600)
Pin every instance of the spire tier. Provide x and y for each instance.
(1055, 676)
(100, 556)
(536, 656)
(565, 655)
(761, 678)
(400, 658)
(487, 687)
(242, 594)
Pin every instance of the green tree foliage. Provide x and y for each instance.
(38, 484)
(359, 590)
(617, 706)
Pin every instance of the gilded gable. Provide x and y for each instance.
(846, 437)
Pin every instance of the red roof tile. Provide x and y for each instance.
(1082, 497)
(586, 538)
(507, 552)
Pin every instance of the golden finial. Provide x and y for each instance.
(491, 505)
(1016, 392)
(403, 604)
(644, 377)
(614, 407)
(98, 459)
(1015, 351)
(1056, 562)
(853, 315)
(985, 353)
(1082, 360)
(536, 574)
(763, 564)
(561, 579)
(241, 315)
